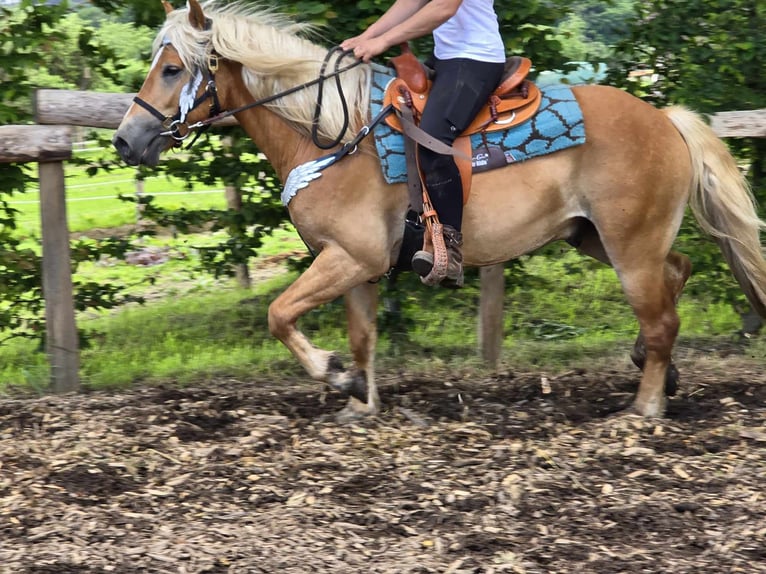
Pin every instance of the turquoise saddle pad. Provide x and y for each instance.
(557, 125)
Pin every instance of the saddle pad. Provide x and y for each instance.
(557, 125)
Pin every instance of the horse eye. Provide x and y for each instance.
(171, 71)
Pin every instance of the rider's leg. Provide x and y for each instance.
(461, 87)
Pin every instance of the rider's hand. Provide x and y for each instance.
(365, 48)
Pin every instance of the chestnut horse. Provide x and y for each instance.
(619, 197)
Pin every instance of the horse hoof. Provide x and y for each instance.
(355, 411)
(350, 384)
(671, 380)
(358, 386)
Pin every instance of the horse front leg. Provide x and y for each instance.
(332, 274)
(362, 313)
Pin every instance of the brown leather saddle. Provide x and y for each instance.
(513, 102)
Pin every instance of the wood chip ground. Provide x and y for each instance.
(520, 473)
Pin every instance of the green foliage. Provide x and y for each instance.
(42, 45)
(25, 35)
(706, 53)
(23, 40)
(593, 27)
(148, 13)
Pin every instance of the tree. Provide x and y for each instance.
(709, 55)
(593, 27)
(22, 40)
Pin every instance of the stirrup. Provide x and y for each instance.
(423, 261)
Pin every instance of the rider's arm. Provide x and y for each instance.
(395, 15)
(404, 21)
(430, 16)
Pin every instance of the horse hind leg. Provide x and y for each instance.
(676, 272)
(644, 278)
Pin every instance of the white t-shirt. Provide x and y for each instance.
(473, 32)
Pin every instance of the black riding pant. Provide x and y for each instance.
(461, 87)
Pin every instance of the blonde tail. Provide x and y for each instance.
(723, 204)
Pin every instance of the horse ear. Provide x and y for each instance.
(196, 16)
(168, 7)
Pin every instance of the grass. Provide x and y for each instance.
(195, 329)
(92, 202)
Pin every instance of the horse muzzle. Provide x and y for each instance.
(140, 147)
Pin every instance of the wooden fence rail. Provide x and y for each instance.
(50, 144)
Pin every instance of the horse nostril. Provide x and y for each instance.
(124, 150)
(122, 147)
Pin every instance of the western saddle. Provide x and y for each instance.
(514, 101)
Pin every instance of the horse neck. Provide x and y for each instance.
(282, 144)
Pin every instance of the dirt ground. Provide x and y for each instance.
(512, 473)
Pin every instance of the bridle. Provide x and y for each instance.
(176, 127)
(174, 123)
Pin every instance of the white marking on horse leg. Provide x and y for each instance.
(650, 400)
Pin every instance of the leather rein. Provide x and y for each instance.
(179, 130)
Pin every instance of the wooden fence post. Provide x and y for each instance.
(50, 146)
(491, 313)
(61, 333)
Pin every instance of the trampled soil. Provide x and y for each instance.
(506, 474)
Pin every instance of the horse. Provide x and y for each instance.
(619, 197)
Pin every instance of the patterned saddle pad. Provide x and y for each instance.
(557, 125)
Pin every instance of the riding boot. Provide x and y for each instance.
(423, 261)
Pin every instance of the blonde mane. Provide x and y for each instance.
(275, 56)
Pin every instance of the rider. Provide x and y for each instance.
(468, 62)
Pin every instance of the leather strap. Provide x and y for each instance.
(433, 241)
(414, 185)
(423, 138)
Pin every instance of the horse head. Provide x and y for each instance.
(179, 90)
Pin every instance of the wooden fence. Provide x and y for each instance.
(49, 144)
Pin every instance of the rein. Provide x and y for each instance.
(317, 110)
